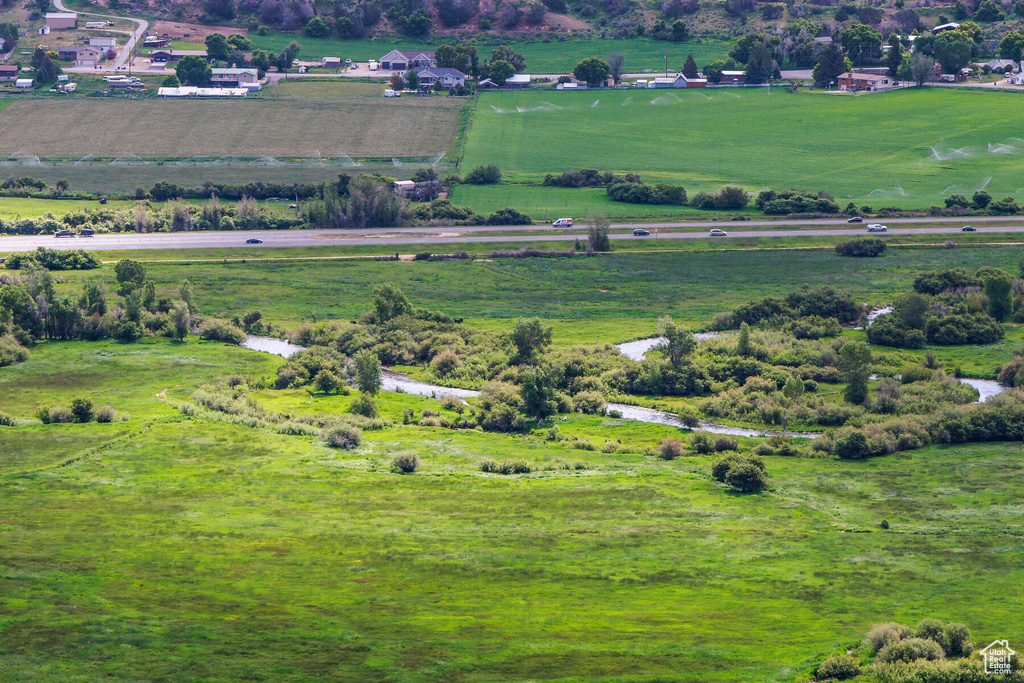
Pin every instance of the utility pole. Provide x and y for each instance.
(666, 63)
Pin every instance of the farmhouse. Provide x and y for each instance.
(1001, 65)
(56, 20)
(233, 78)
(103, 44)
(860, 81)
(175, 55)
(448, 78)
(81, 55)
(8, 72)
(677, 81)
(734, 77)
(402, 60)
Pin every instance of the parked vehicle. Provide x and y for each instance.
(968, 228)
(562, 223)
(639, 232)
(876, 227)
(86, 232)
(856, 219)
(373, 65)
(254, 240)
(718, 233)
(64, 233)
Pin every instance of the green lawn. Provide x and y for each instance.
(166, 548)
(541, 58)
(880, 150)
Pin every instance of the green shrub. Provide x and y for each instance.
(910, 650)
(105, 414)
(958, 640)
(405, 462)
(6, 420)
(507, 466)
(850, 444)
(838, 667)
(933, 630)
(81, 409)
(217, 330)
(746, 477)
(342, 436)
(364, 405)
(869, 247)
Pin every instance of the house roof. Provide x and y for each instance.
(733, 73)
(518, 79)
(409, 54)
(77, 48)
(234, 72)
(181, 53)
(8, 68)
(439, 72)
(946, 27)
(863, 77)
(61, 15)
(823, 39)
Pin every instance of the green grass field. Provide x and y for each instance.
(882, 150)
(175, 549)
(541, 58)
(162, 129)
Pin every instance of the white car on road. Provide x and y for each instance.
(877, 227)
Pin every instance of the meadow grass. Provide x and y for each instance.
(553, 57)
(881, 150)
(180, 549)
(409, 127)
(606, 299)
(312, 87)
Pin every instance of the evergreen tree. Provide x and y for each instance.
(690, 67)
(831, 65)
(895, 56)
(759, 66)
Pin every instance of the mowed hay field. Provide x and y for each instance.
(168, 129)
(906, 148)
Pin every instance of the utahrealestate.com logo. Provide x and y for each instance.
(997, 657)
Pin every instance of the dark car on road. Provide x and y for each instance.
(640, 232)
(64, 233)
(254, 240)
(968, 228)
(856, 219)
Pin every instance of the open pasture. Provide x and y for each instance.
(167, 129)
(906, 148)
(179, 549)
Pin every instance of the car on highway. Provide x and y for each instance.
(254, 240)
(856, 219)
(968, 228)
(86, 232)
(718, 233)
(562, 223)
(877, 227)
(640, 232)
(64, 233)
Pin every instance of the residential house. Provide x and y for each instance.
(677, 81)
(56, 20)
(175, 55)
(233, 78)
(103, 43)
(1001, 65)
(8, 72)
(448, 78)
(734, 77)
(403, 60)
(854, 81)
(81, 55)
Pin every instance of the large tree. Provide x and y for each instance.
(860, 40)
(759, 66)
(538, 392)
(389, 302)
(217, 47)
(831, 65)
(530, 338)
(690, 67)
(500, 71)
(368, 371)
(1012, 46)
(953, 50)
(679, 342)
(895, 56)
(615, 63)
(592, 71)
(854, 360)
(505, 53)
(193, 70)
(461, 57)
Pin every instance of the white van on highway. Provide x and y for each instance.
(562, 223)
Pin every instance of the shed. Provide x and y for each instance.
(56, 20)
(23, 83)
(332, 62)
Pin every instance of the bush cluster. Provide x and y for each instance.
(868, 247)
(642, 193)
(744, 473)
(507, 466)
(795, 201)
(55, 259)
